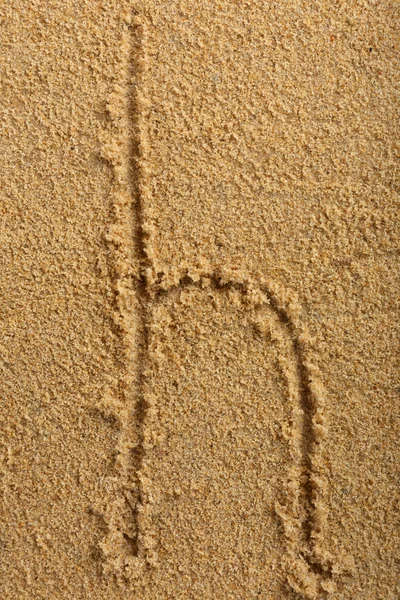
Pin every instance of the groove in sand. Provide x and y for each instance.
(137, 289)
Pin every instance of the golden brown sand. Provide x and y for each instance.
(199, 300)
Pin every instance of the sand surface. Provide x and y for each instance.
(199, 282)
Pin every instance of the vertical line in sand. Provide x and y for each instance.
(124, 547)
(138, 109)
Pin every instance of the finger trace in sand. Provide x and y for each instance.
(130, 545)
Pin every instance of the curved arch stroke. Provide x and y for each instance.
(304, 515)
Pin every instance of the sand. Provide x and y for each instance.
(199, 300)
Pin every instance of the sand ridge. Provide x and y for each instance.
(129, 160)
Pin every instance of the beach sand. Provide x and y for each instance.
(199, 300)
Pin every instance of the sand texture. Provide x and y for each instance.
(199, 306)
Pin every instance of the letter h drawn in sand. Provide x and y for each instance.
(130, 545)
